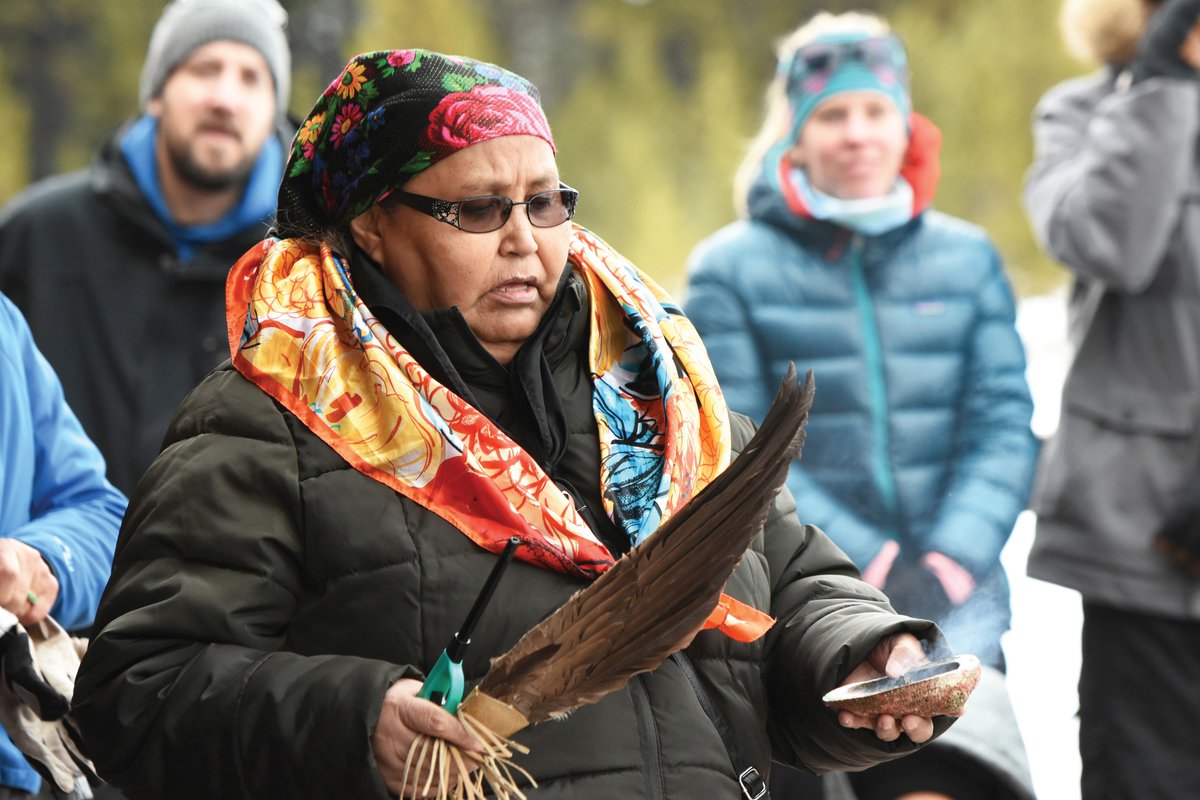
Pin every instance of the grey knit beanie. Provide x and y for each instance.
(188, 24)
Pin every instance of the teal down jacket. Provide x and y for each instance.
(920, 428)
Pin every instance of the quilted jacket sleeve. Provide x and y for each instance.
(828, 621)
(720, 311)
(722, 318)
(1110, 173)
(187, 671)
(994, 463)
(861, 540)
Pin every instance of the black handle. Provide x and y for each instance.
(462, 638)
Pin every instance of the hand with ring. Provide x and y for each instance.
(28, 587)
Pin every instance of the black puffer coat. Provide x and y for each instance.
(129, 328)
(265, 595)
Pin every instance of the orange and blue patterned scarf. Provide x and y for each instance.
(298, 330)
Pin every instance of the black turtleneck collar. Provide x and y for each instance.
(403, 322)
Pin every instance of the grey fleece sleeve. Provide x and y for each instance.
(1109, 176)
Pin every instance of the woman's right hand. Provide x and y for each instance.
(403, 717)
(893, 656)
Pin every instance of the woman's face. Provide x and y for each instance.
(503, 281)
(852, 145)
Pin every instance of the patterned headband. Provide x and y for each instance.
(388, 116)
(839, 63)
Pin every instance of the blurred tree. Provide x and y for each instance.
(14, 161)
(44, 50)
(978, 75)
(668, 94)
(71, 69)
(463, 27)
(652, 101)
(107, 85)
(318, 31)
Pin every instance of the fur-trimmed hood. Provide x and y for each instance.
(1104, 31)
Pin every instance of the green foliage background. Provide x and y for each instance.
(652, 101)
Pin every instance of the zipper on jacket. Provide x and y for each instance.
(648, 736)
(876, 382)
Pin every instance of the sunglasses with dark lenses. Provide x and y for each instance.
(489, 212)
(821, 59)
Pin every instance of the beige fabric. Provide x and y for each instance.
(56, 657)
(500, 717)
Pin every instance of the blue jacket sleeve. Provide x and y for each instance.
(74, 512)
(860, 540)
(720, 313)
(723, 322)
(993, 469)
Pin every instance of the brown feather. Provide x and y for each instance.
(655, 599)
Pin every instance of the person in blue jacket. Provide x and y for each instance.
(59, 515)
(919, 453)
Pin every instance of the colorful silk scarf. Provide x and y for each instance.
(298, 330)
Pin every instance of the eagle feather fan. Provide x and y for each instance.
(650, 604)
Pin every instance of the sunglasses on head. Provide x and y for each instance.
(821, 59)
(485, 213)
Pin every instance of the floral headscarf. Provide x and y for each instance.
(388, 116)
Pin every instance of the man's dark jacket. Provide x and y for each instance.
(265, 595)
(127, 326)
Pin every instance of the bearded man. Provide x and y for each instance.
(120, 268)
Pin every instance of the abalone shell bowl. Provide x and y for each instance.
(936, 689)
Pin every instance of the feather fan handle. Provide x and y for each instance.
(650, 604)
(658, 596)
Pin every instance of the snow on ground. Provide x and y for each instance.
(1042, 648)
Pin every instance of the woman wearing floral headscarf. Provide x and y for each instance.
(426, 361)
(919, 454)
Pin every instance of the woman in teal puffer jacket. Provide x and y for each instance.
(919, 454)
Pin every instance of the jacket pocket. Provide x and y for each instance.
(1135, 412)
(1117, 459)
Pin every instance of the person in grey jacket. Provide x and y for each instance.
(1112, 195)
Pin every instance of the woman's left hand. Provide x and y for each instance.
(892, 657)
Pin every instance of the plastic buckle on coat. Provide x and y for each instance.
(753, 786)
